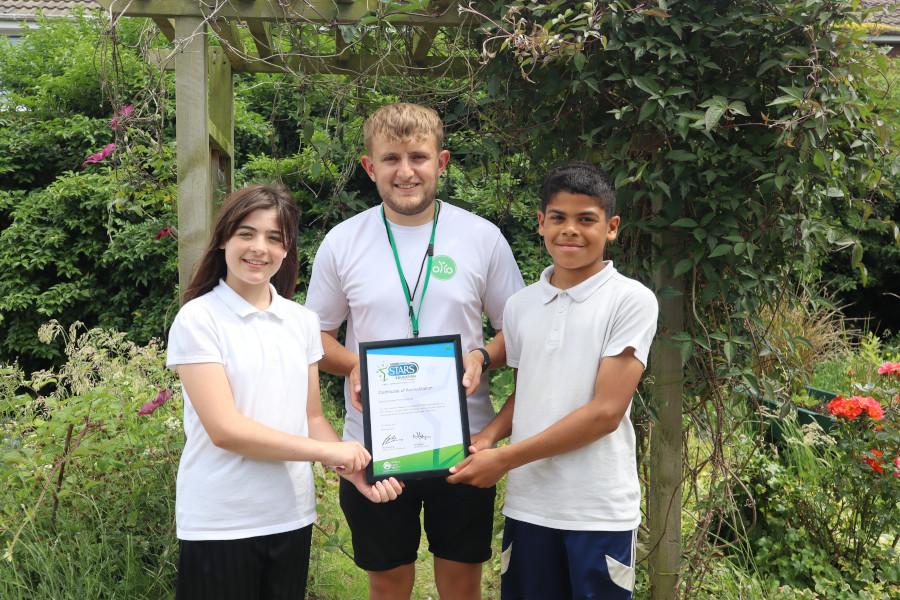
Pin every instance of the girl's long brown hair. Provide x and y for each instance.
(235, 209)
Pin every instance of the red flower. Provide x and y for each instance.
(95, 158)
(875, 463)
(889, 368)
(852, 407)
(897, 467)
(851, 372)
(845, 407)
(161, 398)
(872, 407)
(164, 232)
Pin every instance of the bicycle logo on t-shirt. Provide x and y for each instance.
(443, 267)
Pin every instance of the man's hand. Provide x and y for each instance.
(353, 380)
(472, 375)
(382, 491)
(482, 469)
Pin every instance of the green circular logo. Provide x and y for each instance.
(443, 267)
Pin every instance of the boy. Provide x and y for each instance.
(355, 278)
(579, 340)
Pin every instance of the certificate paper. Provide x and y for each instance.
(414, 406)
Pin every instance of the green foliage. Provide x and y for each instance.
(84, 249)
(87, 483)
(77, 242)
(823, 511)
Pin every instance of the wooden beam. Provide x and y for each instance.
(666, 468)
(220, 103)
(230, 40)
(308, 11)
(424, 36)
(220, 108)
(422, 41)
(352, 64)
(262, 37)
(166, 28)
(192, 144)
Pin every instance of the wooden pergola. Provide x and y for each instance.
(206, 49)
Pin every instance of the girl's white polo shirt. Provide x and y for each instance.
(221, 495)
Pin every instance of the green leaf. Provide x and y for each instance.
(834, 192)
(647, 110)
(856, 255)
(739, 108)
(685, 222)
(579, 59)
(713, 116)
(782, 100)
(681, 155)
(647, 84)
(683, 266)
(766, 65)
(720, 250)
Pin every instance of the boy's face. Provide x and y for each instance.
(406, 172)
(575, 230)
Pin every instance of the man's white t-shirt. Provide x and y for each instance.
(221, 495)
(354, 279)
(557, 339)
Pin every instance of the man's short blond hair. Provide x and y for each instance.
(403, 121)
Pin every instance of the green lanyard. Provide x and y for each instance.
(429, 253)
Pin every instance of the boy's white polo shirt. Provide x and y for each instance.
(266, 355)
(556, 339)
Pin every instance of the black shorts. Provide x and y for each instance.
(458, 522)
(267, 567)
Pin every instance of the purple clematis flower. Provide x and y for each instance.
(120, 115)
(161, 398)
(95, 158)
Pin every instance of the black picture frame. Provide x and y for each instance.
(375, 471)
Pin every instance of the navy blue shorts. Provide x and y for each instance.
(559, 564)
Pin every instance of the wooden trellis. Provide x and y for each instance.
(207, 40)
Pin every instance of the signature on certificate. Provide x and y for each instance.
(421, 436)
(389, 439)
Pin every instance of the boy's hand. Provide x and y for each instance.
(482, 469)
(382, 491)
(472, 374)
(348, 457)
(480, 441)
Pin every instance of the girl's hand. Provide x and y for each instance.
(382, 491)
(348, 457)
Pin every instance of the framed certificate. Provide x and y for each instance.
(414, 406)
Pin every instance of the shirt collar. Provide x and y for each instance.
(243, 309)
(580, 292)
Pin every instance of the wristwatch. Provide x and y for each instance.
(486, 360)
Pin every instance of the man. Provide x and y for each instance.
(369, 273)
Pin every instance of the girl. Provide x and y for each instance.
(253, 421)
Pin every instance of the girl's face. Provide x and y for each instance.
(254, 253)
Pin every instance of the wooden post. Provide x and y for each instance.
(195, 193)
(664, 499)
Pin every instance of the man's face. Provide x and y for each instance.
(575, 230)
(406, 172)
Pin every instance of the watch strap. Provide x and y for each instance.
(486, 358)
